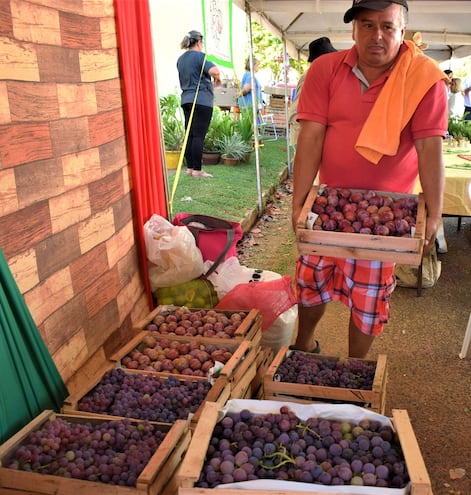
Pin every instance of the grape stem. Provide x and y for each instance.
(304, 427)
(281, 454)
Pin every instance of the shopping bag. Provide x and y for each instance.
(271, 298)
(215, 237)
(172, 254)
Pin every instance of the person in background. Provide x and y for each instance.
(449, 74)
(245, 99)
(196, 76)
(318, 47)
(467, 97)
(456, 99)
(372, 118)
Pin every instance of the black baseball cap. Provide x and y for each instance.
(372, 5)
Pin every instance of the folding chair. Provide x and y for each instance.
(267, 122)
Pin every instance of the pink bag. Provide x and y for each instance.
(216, 238)
(271, 298)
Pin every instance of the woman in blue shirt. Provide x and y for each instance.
(245, 100)
(192, 66)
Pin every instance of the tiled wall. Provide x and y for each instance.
(66, 224)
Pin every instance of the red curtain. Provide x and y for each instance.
(133, 28)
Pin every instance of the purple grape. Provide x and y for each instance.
(382, 472)
(369, 479)
(239, 474)
(357, 466)
(226, 467)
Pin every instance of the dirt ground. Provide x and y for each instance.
(422, 342)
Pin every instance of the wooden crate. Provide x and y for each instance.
(243, 353)
(193, 462)
(219, 393)
(264, 359)
(407, 251)
(374, 399)
(153, 479)
(250, 328)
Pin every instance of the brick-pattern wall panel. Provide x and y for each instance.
(66, 222)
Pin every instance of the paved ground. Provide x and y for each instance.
(422, 343)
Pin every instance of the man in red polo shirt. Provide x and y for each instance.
(358, 131)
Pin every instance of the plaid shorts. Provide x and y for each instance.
(363, 286)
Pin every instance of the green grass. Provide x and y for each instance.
(232, 193)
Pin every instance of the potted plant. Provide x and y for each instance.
(173, 128)
(221, 125)
(234, 149)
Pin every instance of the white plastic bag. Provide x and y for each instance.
(231, 273)
(280, 332)
(172, 254)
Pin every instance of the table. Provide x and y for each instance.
(457, 197)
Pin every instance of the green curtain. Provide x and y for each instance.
(29, 379)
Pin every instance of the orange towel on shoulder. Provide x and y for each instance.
(412, 76)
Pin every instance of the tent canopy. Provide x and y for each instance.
(444, 25)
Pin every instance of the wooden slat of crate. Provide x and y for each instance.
(249, 329)
(420, 479)
(192, 464)
(404, 250)
(263, 360)
(240, 388)
(95, 366)
(190, 469)
(373, 399)
(153, 478)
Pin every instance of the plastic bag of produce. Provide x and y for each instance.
(231, 273)
(271, 298)
(172, 254)
(198, 293)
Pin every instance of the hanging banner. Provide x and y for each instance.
(217, 25)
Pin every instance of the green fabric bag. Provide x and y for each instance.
(30, 381)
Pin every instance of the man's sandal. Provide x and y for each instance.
(316, 350)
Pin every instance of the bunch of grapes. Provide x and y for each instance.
(191, 358)
(280, 446)
(114, 452)
(343, 210)
(305, 368)
(202, 322)
(145, 396)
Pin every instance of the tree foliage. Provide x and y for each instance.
(268, 50)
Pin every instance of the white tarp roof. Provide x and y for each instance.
(445, 25)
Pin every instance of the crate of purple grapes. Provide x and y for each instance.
(144, 395)
(210, 323)
(272, 447)
(306, 377)
(57, 453)
(360, 224)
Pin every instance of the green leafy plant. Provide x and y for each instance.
(458, 127)
(221, 125)
(172, 122)
(234, 147)
(244, 126)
